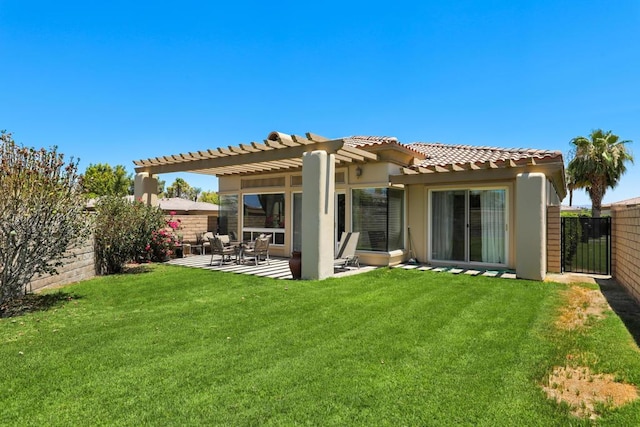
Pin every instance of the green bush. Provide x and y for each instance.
(123, 232)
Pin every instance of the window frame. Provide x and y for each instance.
(387, 250)
(467, 190)
(278, 234)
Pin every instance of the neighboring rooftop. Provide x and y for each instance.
(628, 202)
(172, 204)
(184, 205)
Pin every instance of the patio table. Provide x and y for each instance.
(238, 247)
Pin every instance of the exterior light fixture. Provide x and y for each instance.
(358, 171)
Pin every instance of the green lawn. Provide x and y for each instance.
(591, 256)
(178, 346)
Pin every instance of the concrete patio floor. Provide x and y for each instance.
(278, 268)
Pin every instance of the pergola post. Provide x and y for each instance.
(145, 188)
(318, 189)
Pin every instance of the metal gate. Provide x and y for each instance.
(586, 245)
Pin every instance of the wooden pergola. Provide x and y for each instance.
(314, 155)
(279, 152)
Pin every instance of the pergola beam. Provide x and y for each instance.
(271, 151)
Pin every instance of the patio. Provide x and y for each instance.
(277, 269)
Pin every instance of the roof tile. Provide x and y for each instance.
(438, 154)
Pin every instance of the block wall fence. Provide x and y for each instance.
(75, 269)
(192, 224)
(553, 240)
(625, 248)
(80, 264)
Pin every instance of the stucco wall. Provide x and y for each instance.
(626, 248)
(75, 269)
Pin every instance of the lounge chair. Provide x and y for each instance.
(258, 249)
(218, 248)
(346, 254)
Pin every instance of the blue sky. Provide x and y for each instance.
(112, 82)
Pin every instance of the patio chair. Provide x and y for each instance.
(218, 248)
(346, 254)
(259, 248)
(203, 239)
(226, 240)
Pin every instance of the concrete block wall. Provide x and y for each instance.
(192, 224)
(554, 256)
(82, 265)
(75, 269)
(625, 248)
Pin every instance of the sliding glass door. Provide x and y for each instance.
(469, 226)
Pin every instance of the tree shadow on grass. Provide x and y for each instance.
(34, 302)
(623, 305)
(137, 268)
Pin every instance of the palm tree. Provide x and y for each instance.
(571, 184)
(196, 192)
(598, 163)
(180, 188)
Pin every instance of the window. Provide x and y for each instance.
(263, 214)
(297, 221)
(378, 214)
(228, 215)
(469, 226)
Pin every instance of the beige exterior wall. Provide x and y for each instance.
(553, 240)
(626, 248)
(416, 206)
(75, 269)
(419, 219)
(531, 232)
(371, 175)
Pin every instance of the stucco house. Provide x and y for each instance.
(468, 206)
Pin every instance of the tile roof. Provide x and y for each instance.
(363, 142)
(438, 154)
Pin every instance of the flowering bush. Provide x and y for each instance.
(164, 241)
(123, 232)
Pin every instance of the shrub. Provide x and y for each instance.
(123, 232)
(41, 213)
(164, 241)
